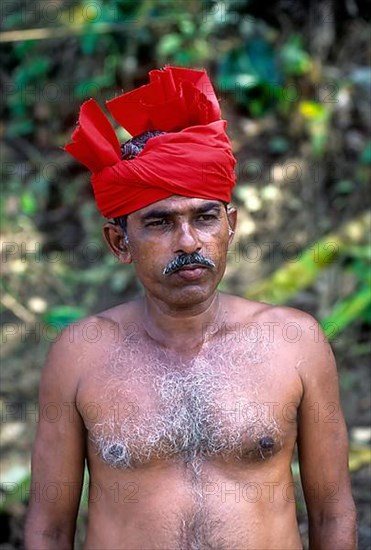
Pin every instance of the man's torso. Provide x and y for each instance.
(192, 451)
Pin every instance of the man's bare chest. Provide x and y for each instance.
(149, 406)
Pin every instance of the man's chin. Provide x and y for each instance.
(188, 296)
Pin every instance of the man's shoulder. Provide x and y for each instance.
(246, 310)
(95, 332)
(117, 315)
(291, 327)
(83, 347)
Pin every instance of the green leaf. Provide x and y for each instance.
(252, 74)
(169, 45)
(17, 495)
(89, 43)
(361, 269)
(294, 59)
(345, 187)
(186, 26)
(23, 48)
(316, 116)
(90, 87)
(359, 456)
(12, 20)
(18, 105)
(346, 311)
(183, 58)
(62, 316)
(318, 138)
(362, 252)
(313, 110)
(33, 71)
(293, 276)
(28, 203)
(237, 82)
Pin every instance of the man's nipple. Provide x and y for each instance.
(266, 442)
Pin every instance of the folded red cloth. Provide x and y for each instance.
(193, 159)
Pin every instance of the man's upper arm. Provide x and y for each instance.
(58, 452)
(322, 434)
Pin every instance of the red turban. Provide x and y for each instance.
(193, 159)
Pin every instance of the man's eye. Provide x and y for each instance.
(207, 217)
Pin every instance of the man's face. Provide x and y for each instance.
(178, 226)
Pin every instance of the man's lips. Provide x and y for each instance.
(190, 272)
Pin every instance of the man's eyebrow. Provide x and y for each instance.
(208, 206)
(156, 213)
(165, 213)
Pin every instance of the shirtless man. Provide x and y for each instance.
(187, 403)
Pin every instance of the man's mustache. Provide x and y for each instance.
(187, 259)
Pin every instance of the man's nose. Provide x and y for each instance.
(186, 239)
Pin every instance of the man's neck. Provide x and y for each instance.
(181, 329)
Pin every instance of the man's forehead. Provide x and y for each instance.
(177, 204)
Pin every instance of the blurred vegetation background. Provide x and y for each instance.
(293, 80)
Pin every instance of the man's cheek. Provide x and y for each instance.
(211, 251)
(141, 254)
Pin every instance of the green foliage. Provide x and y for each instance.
(187, 46)
(366, 154)
(61, 316)
(258, 70)
(295, 61)
(352, 308)
(357, 306)
(15, 492)
(316, 118)
(251, 73)
(28, 203)
(291, 277)
(35, 70)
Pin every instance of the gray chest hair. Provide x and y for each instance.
(189, 415)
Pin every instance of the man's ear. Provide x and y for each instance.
(115, 239)
(232, 220)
